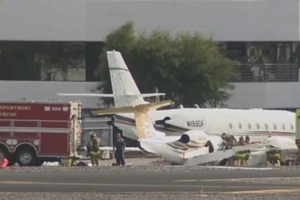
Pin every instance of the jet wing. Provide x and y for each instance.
(127, 149)
(272, 143)
(220, 155)
(107, 148)
(209, 157)
(281, 143)
(249, 147)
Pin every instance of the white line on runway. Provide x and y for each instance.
(233, 168)
(273, 191)
(93, 184)
(232, 180)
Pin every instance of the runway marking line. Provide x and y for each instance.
(93, 184)
(274, 191)
(233, 168)
(231, 180)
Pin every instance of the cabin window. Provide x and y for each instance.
(292, 127)
(257, 126)
(240, 125)
(230, 125)
(249, 126)
(274, 126)
(266, 126)
(283, 127)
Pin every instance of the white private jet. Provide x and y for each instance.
(257, 123)
(191, 148)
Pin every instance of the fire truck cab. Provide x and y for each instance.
(32, 133)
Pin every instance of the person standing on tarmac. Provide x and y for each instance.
(93, 149)
(241, 157)
(119, 150)
(228, 142)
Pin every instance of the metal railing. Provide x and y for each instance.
(266, 73)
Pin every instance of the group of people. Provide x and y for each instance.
(241, 158)
(229, 141)
(93, 150)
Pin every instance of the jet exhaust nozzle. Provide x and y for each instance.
(185, 138)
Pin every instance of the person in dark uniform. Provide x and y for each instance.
(119, 150)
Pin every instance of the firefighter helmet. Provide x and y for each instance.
(224, 136)
(92, 134)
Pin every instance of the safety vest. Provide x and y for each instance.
(94, 145)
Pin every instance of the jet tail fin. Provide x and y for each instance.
(123, 85)
(144, 125)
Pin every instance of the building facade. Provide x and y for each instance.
(58, 43)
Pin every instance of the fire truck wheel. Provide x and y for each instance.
(26, 157)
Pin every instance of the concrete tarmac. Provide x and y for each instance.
(150, 181)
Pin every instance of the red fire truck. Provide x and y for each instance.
(34, 132)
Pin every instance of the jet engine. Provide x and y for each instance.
(194, 138)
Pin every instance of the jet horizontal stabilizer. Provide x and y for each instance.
(132, 109)
(111, 95)
(149, 94)
(86, 95)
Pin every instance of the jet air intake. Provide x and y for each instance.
(162, 121)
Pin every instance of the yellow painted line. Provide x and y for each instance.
(273, 191)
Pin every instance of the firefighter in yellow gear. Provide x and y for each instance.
(93, 149)
(240, 158)
(228, 142)
(274, 157)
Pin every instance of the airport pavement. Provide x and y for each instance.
(144, 179)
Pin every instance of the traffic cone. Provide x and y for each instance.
(3, 163)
